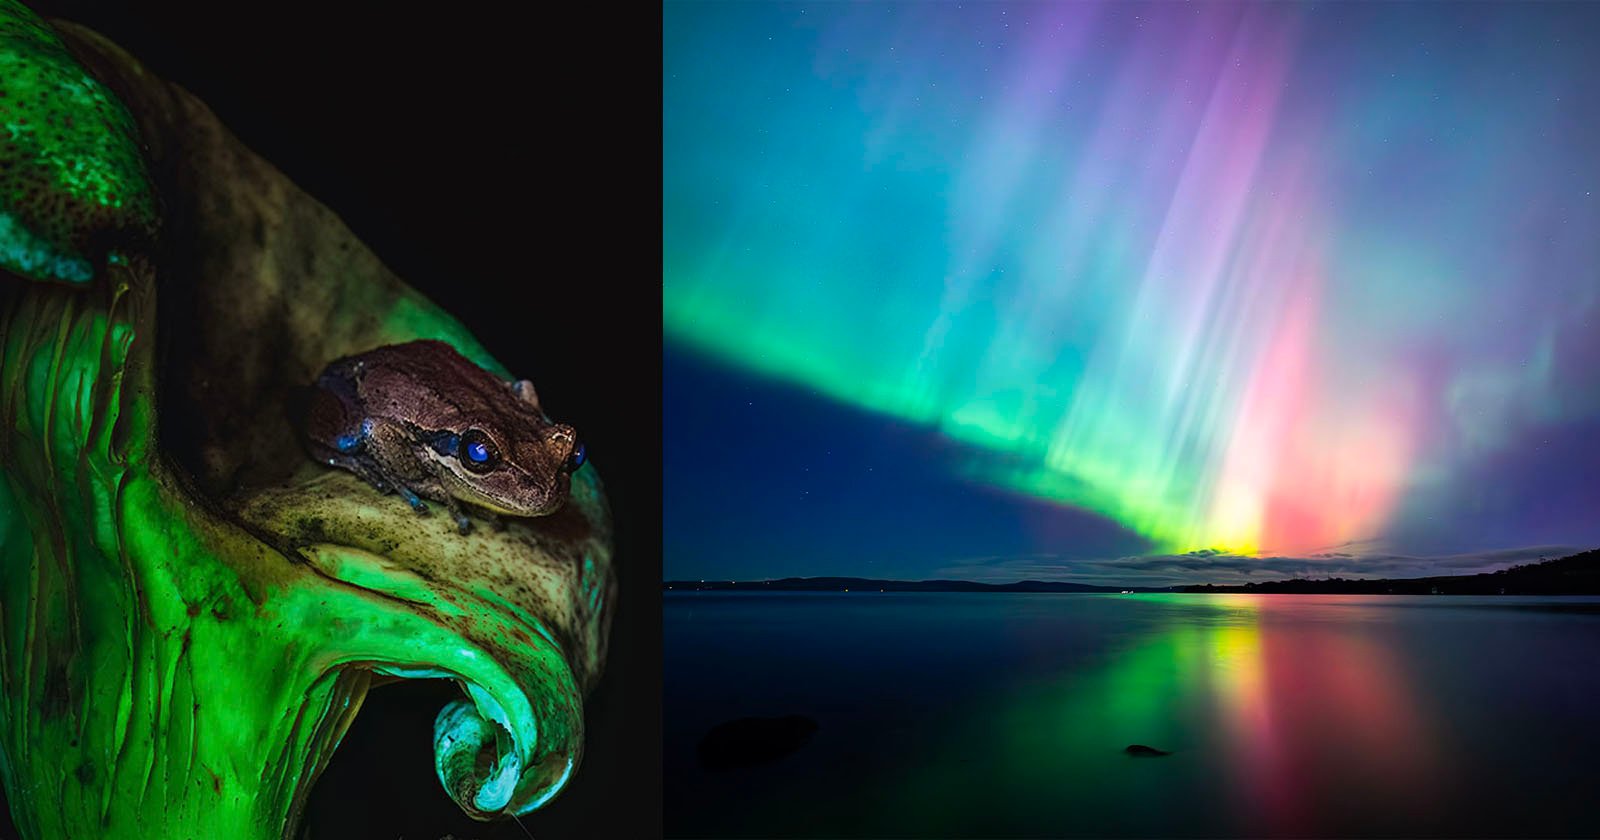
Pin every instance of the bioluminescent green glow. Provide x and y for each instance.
(177, 663)
(70, 166)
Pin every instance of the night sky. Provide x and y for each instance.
(1129, 293)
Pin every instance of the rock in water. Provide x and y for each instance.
(747, 742)
(1143, 751)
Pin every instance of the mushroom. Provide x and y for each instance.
(191, 610)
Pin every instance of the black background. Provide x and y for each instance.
(439, 135)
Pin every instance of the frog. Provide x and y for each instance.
(421, 420)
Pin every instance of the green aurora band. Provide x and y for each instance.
(1201, 272)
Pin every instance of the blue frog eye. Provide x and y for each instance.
(477, 452)
(579, 455)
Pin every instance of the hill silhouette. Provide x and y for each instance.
(1578, 574)
(848, 584)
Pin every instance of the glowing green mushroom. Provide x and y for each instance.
(72, 180)
(191, 611)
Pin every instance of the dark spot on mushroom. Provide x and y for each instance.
(313, 528)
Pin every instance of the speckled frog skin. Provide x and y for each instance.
(422, 420)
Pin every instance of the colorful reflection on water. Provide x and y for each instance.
(982, 715)
(1308, 705)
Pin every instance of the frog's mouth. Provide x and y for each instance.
(551, 497)
(258, 287)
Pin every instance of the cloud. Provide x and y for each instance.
(1210, 566)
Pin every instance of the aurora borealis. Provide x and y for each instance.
(1272, 280)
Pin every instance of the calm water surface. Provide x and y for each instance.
(955, 714)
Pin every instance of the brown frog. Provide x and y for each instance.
(422, 420)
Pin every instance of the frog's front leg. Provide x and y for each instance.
(413, 500)
(386, 448)
(362, 467)
(463, 524)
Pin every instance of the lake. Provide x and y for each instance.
(1007, 715)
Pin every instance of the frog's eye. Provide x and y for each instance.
(577, 459)
(477, 452)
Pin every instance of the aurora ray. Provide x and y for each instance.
(1254, 278)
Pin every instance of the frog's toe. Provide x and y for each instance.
(463, 524)
(414, 501)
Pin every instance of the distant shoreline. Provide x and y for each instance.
(838, 584)
(1578, 574)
